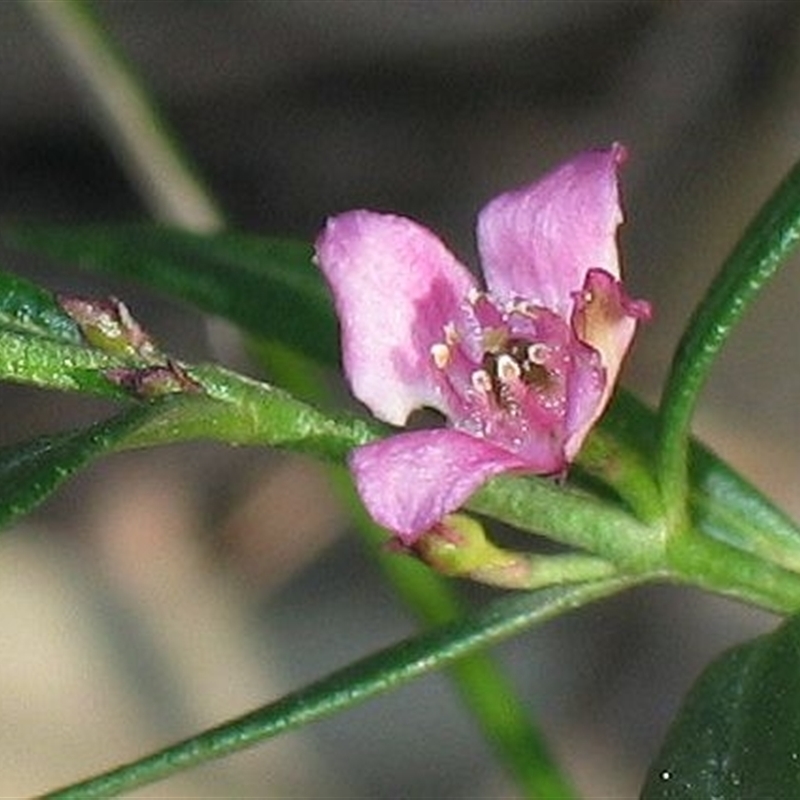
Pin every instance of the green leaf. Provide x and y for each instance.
(32, 471)
(268, 287)
(41, 344)
(726, 507)
(228, 407)
(722, 503)
(354, 684)
(737, 736)
(26, 308)
(766, 244)
(52, 364)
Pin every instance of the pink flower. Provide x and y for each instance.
(521, 370)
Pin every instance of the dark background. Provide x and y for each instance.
(167, 590)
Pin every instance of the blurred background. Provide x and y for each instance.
(164, 591)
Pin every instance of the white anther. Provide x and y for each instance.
(523, 307)
(450, 334)
(441, 354)
(538, 352)
(507, 368)
(473, 295)
(481, 381)
(125, 318)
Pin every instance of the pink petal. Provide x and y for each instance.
(409, 482)
(539, 242)
(589, 391)
(395, 286)
(605, 318)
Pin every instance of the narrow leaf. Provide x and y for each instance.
(768, 241)
(722, 504)
(52, 364)
(25, 308)
(737, 736)
(726, 507)
(32, 471)
(268, 287)
(354, 684)
(228, 408)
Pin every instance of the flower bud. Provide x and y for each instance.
(458, 546)
(108, 325)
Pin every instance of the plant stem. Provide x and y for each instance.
(573, 518)
(360, 681)
(763, 248)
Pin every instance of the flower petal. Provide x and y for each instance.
(409, 482)
(539, 242)
(395, 286)
(605, 319)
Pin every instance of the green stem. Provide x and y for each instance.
(765, 245)
(354, 684)
(136, 129)
(579, 520)
(241, 411)
(247, 412)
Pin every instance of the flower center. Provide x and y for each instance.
(516, 361)
(503, 372)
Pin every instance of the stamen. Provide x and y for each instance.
(525, 308)
(441, 354)
(473, 295)
(507, 368)
(538, 352)
(451, 336)
(481, 381)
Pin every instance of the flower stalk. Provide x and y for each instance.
(458, 547)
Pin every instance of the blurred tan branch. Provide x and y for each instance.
(134, 127)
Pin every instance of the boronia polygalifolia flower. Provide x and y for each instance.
(521, 369)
